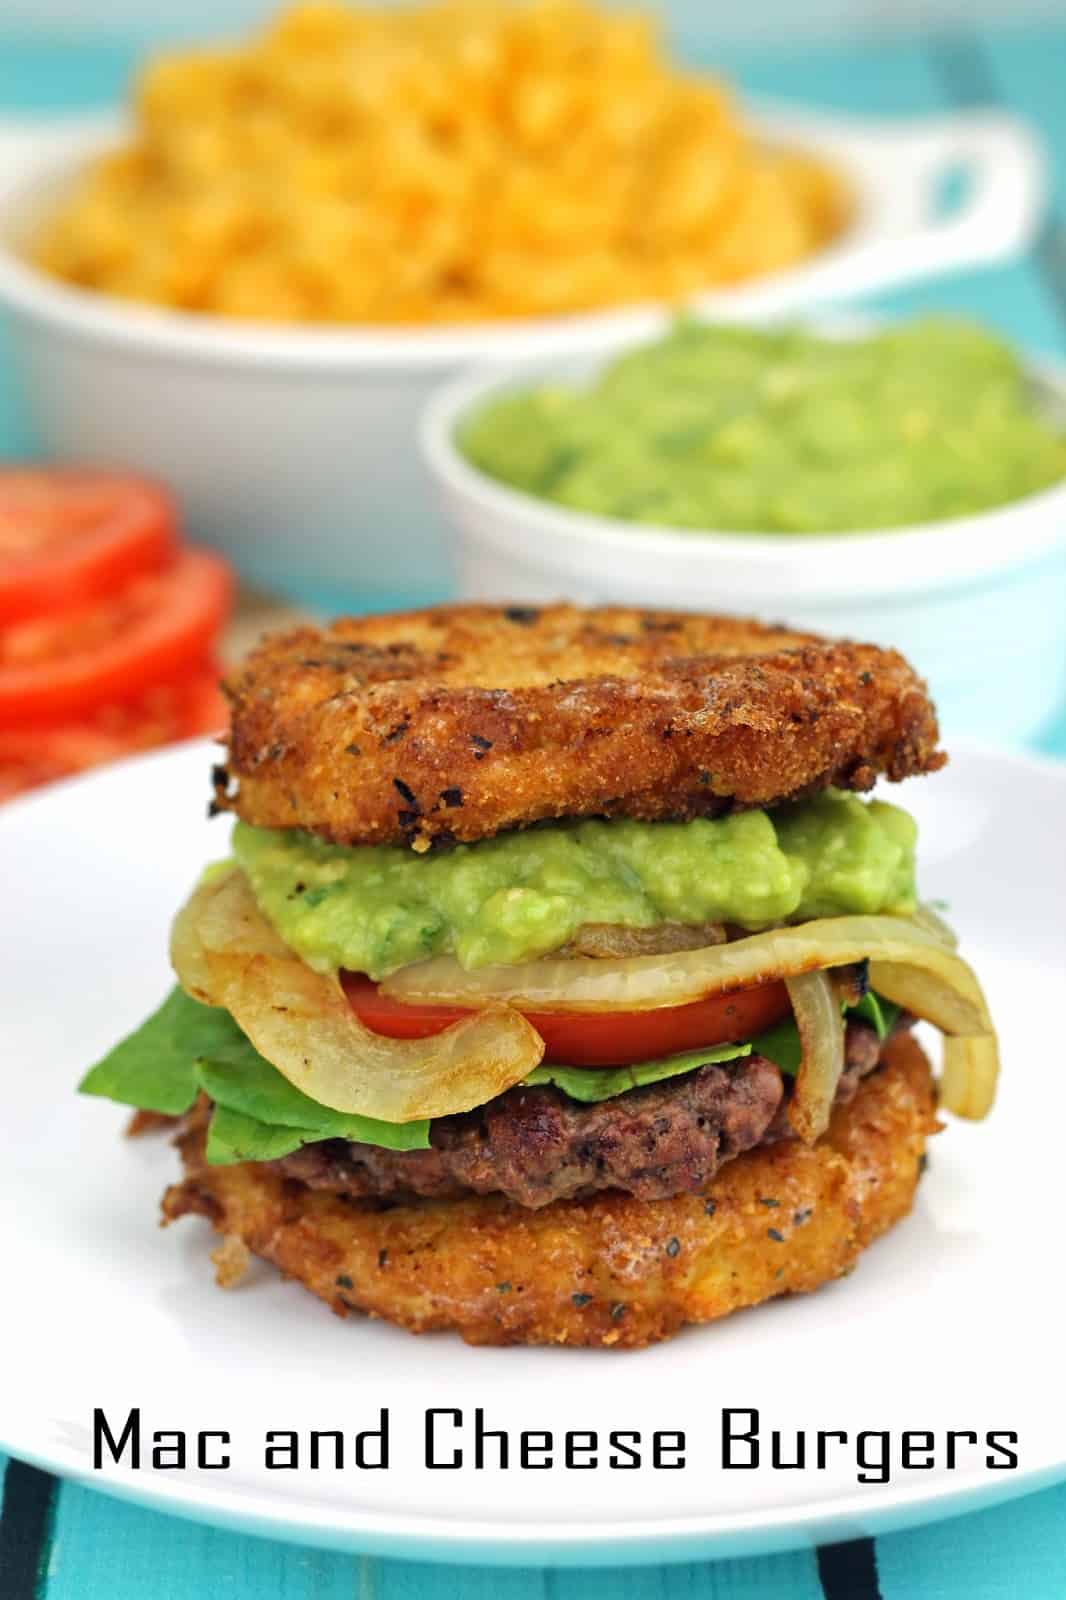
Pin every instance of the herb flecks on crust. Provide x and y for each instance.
(564, 712)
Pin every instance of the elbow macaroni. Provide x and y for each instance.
(461, 161)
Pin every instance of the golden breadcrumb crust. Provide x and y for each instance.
(459, 721)
(606, 1271)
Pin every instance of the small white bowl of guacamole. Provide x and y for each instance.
(903, 483)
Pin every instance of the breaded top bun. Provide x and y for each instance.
(457, 722)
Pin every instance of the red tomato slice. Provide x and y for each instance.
(68, 538)
(594, 1039)
(156, 629)
(165, 714)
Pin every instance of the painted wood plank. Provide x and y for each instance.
(886, 78)
(792, 1575)
(46, 73)
(121, 1552)
(1029, 68)
(1017, 1549)
(105, 1549)
(27, 1502)
(899, 77)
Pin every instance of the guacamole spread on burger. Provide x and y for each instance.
(522, 894)
(748, 430)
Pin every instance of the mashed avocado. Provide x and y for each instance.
(520, 895)
(738, 429)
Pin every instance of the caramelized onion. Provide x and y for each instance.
(933, 923)
(931, 996)
(645, 983)
(971, 1054)
(608, 940)
(821, 1029)
(226, 953)
(970, 1072)
(910, 963)
(186, 947)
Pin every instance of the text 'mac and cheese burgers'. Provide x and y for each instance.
(558, 986)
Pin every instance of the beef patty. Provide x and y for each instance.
(538, 1145)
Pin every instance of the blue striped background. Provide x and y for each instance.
(63, 1542)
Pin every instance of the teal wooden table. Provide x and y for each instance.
(62, 1542)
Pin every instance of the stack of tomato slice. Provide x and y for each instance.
(109, 626)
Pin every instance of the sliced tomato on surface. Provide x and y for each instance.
(68, 538)
(595, 1039)
(156, 629)
(169, 712)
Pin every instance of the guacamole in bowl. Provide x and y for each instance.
(782, 431)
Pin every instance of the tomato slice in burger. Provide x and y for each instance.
(68, 538)
(594, 1039)
(157, 628)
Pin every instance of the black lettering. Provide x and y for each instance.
(130, 1435)
(531, 1445)
(992, 1440)
(201, 1452)
(876, 1469)
(282, 1451)
(363, 1442)
(587, 1442)
(618, 1443)
(731, 1437)
(954, 1434)
(777, 1452)
(168, 1442)
(481, 1437)
(431, 1431)
(665, 1444)
(824, 1435)
(319, 1437)
(918, 1439)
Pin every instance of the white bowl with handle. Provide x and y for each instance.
(977, 603)
(291, 448)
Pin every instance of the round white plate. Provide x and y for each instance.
(952, 1322)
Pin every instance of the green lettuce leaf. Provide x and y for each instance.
(259, 1116)
(186, 1046)
(881, 1014)
(242, 1081)
(603, 1083)
(781, 1043)
(231, 1137)
(155, 1067)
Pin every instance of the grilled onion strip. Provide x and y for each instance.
(226, 953)
(646, 983)
(911, 963)
(820, 1023)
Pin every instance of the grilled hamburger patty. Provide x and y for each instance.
(460, 721)
(537, 1145)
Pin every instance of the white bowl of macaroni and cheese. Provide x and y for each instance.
(259, 322)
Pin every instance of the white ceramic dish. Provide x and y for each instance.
(988, 589)
(953, 1321)
(291, 448)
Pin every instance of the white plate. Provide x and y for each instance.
(953, 1321)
